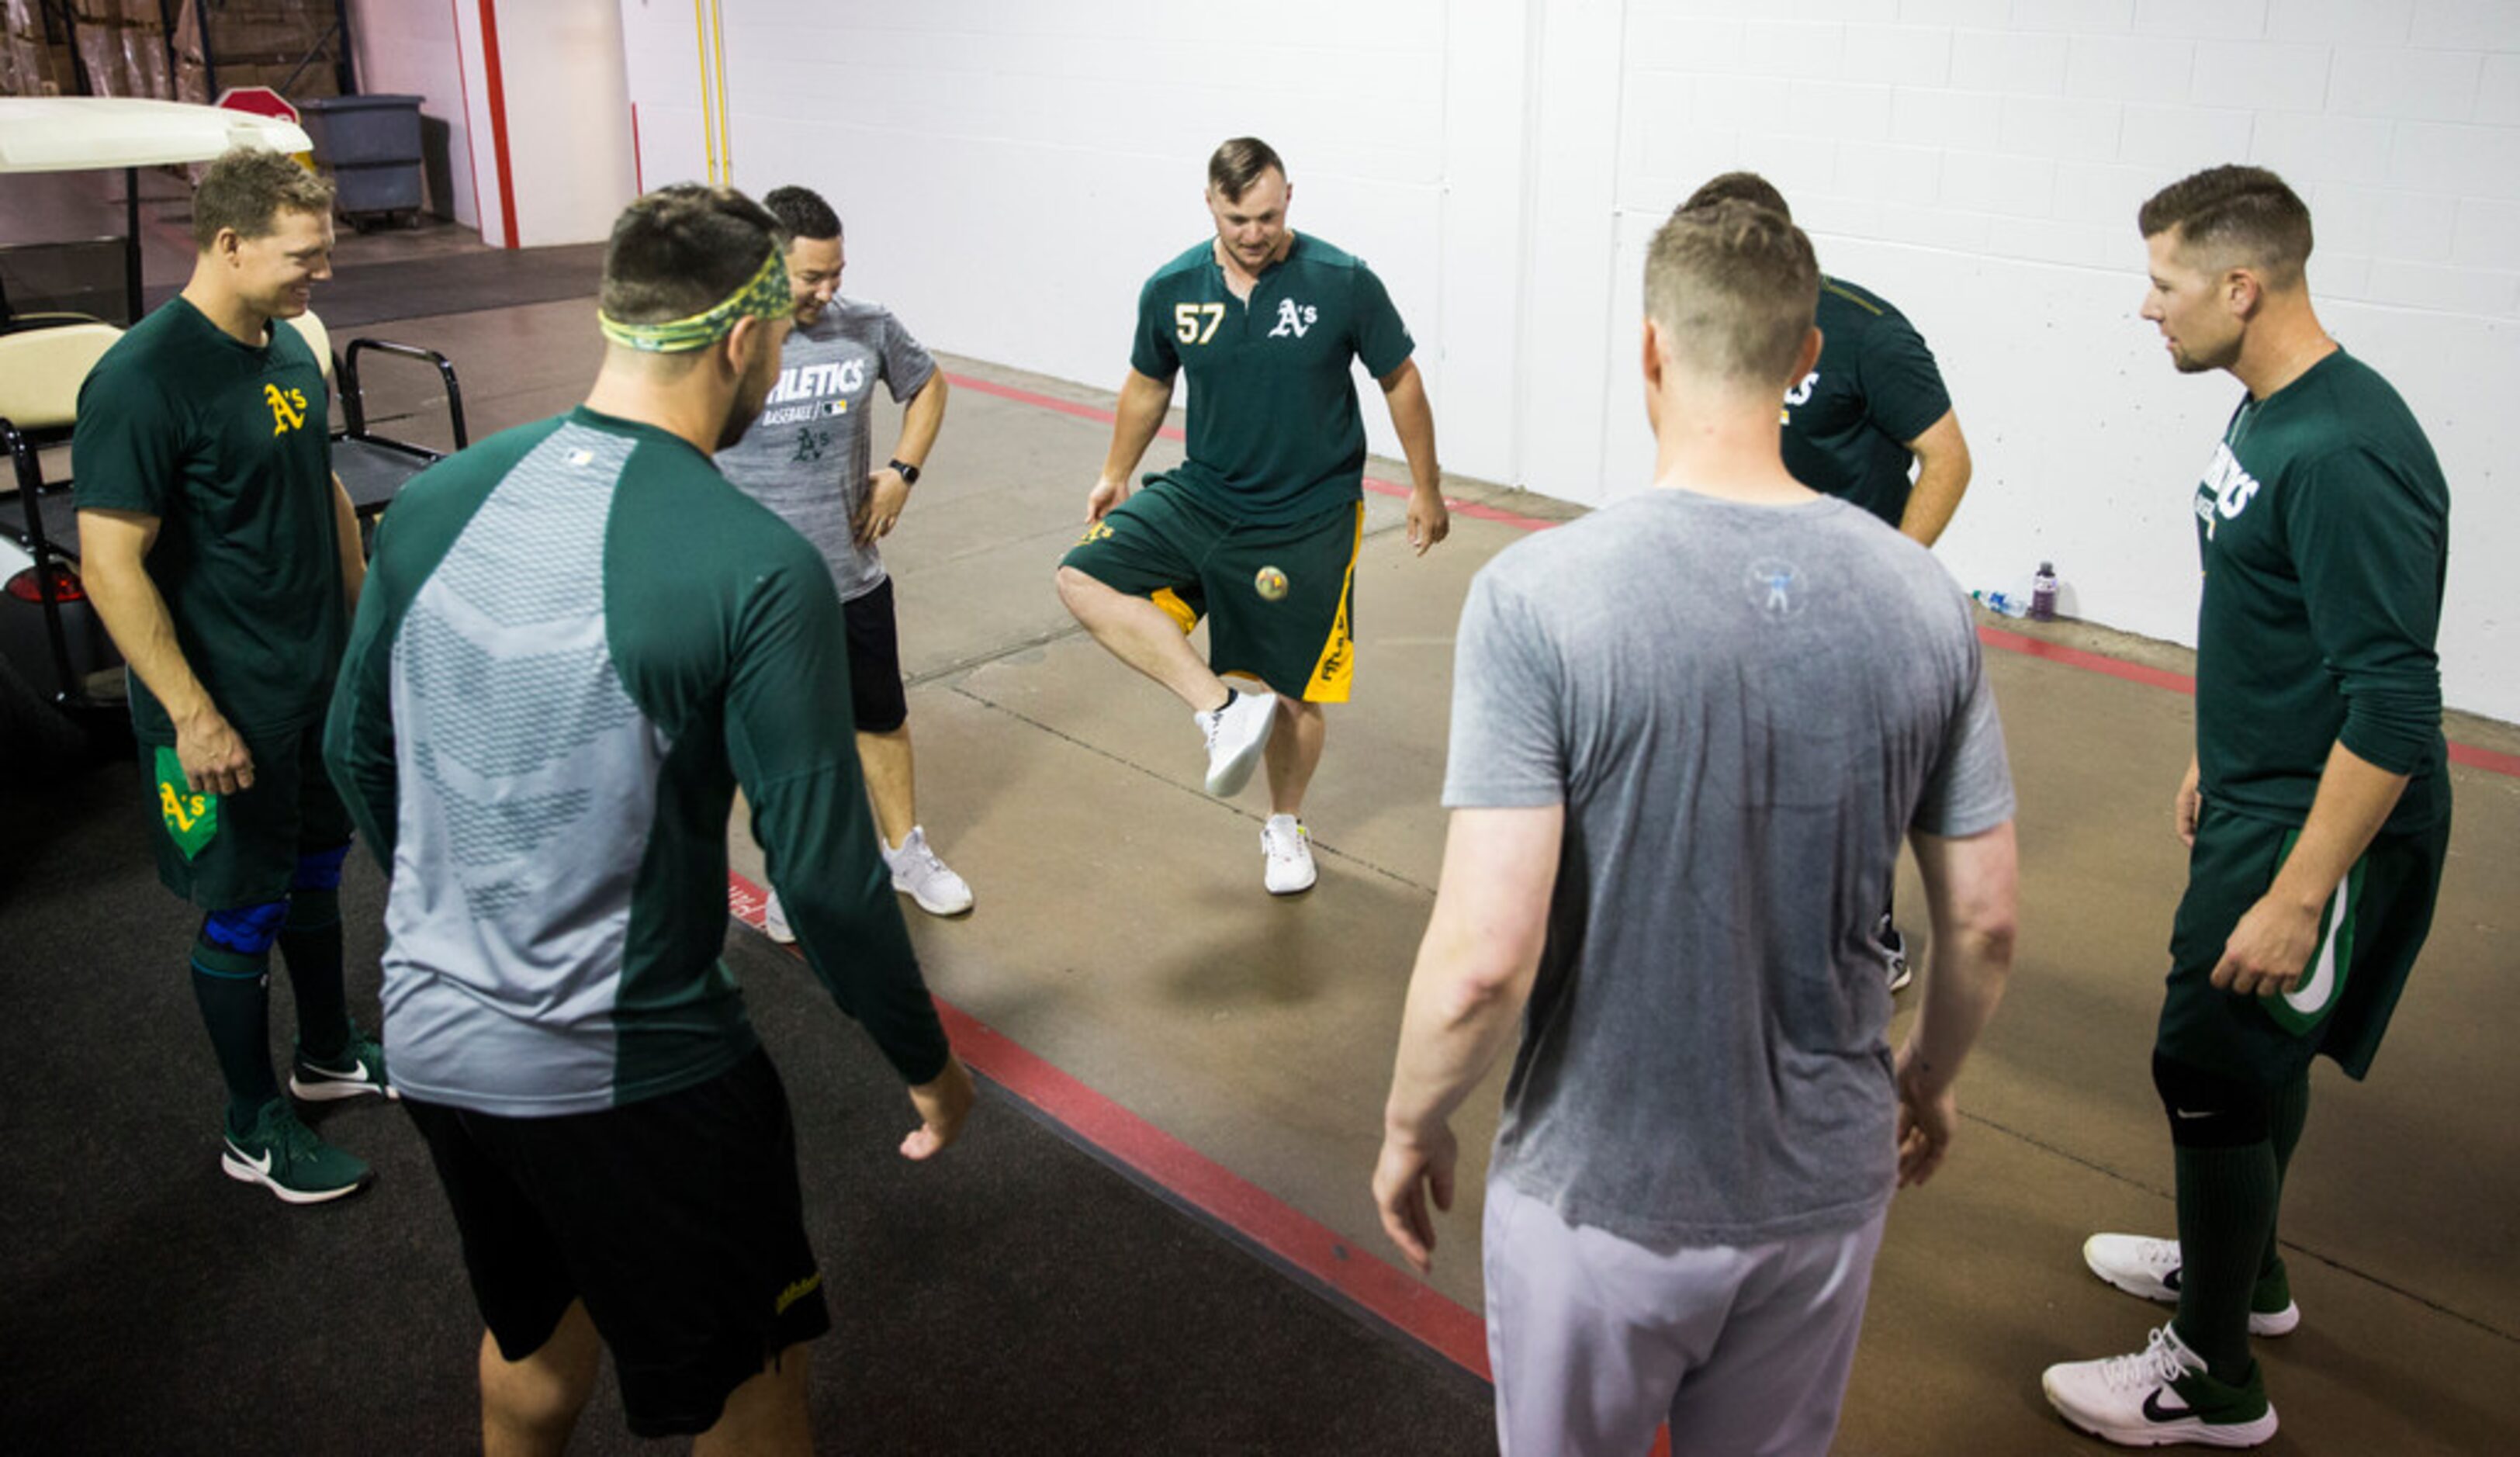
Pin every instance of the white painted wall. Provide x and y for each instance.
(1010, 171)
(408, 47)
(564, 103)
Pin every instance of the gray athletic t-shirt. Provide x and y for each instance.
(1744, 710)
(808, 455)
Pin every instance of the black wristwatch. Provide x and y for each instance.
(909, 471)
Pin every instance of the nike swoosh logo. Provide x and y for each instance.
(259, 1166)
(2154, 1411)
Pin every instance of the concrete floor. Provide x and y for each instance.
(1122, 935)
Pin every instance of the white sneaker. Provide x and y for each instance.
(1235, 735)
(773, 920)
(1288, 846)
(2159, 1395)
(2149, 1268)
(915, 870)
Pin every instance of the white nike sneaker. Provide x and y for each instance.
(2160, 1395)
(917, 871)
(1236, 734)
(2149, 1268)
(773, 920)
(1288, 846)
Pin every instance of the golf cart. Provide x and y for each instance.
(53, 649)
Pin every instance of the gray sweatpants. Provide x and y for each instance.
(1595, 1341)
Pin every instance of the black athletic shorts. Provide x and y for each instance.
(676, 1219)
(224, 852)
(2369, 935)
(1171, 545)
(875, 661)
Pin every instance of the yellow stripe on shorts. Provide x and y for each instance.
(1182, 614)
(1334, 671)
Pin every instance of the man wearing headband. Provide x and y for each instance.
(579, 642)
(808, 458)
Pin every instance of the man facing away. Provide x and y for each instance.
(577, 643)
(224, 557)
(2316, 806)
(807, 458)
(1259, 529)
(1676, 808)
(1872, 406)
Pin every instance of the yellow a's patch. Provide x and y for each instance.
(288, 408)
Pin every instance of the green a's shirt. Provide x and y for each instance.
(224, 444)
(1875, 389)
(2324, 523)
(576, 641)
(1273, 429)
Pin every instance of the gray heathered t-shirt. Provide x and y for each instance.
(1744, 710)
(808, 455)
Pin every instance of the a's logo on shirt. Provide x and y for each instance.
(1294, 318)
(1774, 588)
(2225, 492)
(288, 408)
(810, 445)
(1801, 394)
(1096, 532)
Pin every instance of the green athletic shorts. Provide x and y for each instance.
(2369, 935)
(1166, 545)
(226, 851)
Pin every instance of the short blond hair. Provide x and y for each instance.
(248, 188)
(1733, 287)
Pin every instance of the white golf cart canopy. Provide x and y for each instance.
(95, 133)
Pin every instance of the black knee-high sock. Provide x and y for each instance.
(2288, 1111)
(310, 946)
(2227, 1214)
(233, 990)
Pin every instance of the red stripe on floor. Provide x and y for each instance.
(1409, 1305)
(2096, 662)
(1994, 637)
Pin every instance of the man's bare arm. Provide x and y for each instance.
(1474, 973)
(1943, 471)
(354, 555)
(886, 491)
(113, 556)
(1140, 413)
(1972, 893)
(1413, 418)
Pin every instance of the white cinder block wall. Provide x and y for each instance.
(1011, 170)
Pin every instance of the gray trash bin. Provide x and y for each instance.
(371, 146)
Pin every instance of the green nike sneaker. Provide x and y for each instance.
(358, 1072)
(2159, 1396)
(285, 1157)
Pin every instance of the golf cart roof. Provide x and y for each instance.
(81, 133)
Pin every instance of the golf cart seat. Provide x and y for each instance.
(373, 467)
(62, 647)
(41, 369)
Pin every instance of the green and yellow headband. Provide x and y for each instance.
(765, 296)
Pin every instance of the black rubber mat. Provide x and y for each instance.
(458, 283)
(1014, 1296)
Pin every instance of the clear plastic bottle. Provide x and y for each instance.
(1999, 604)
(2043, 594)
